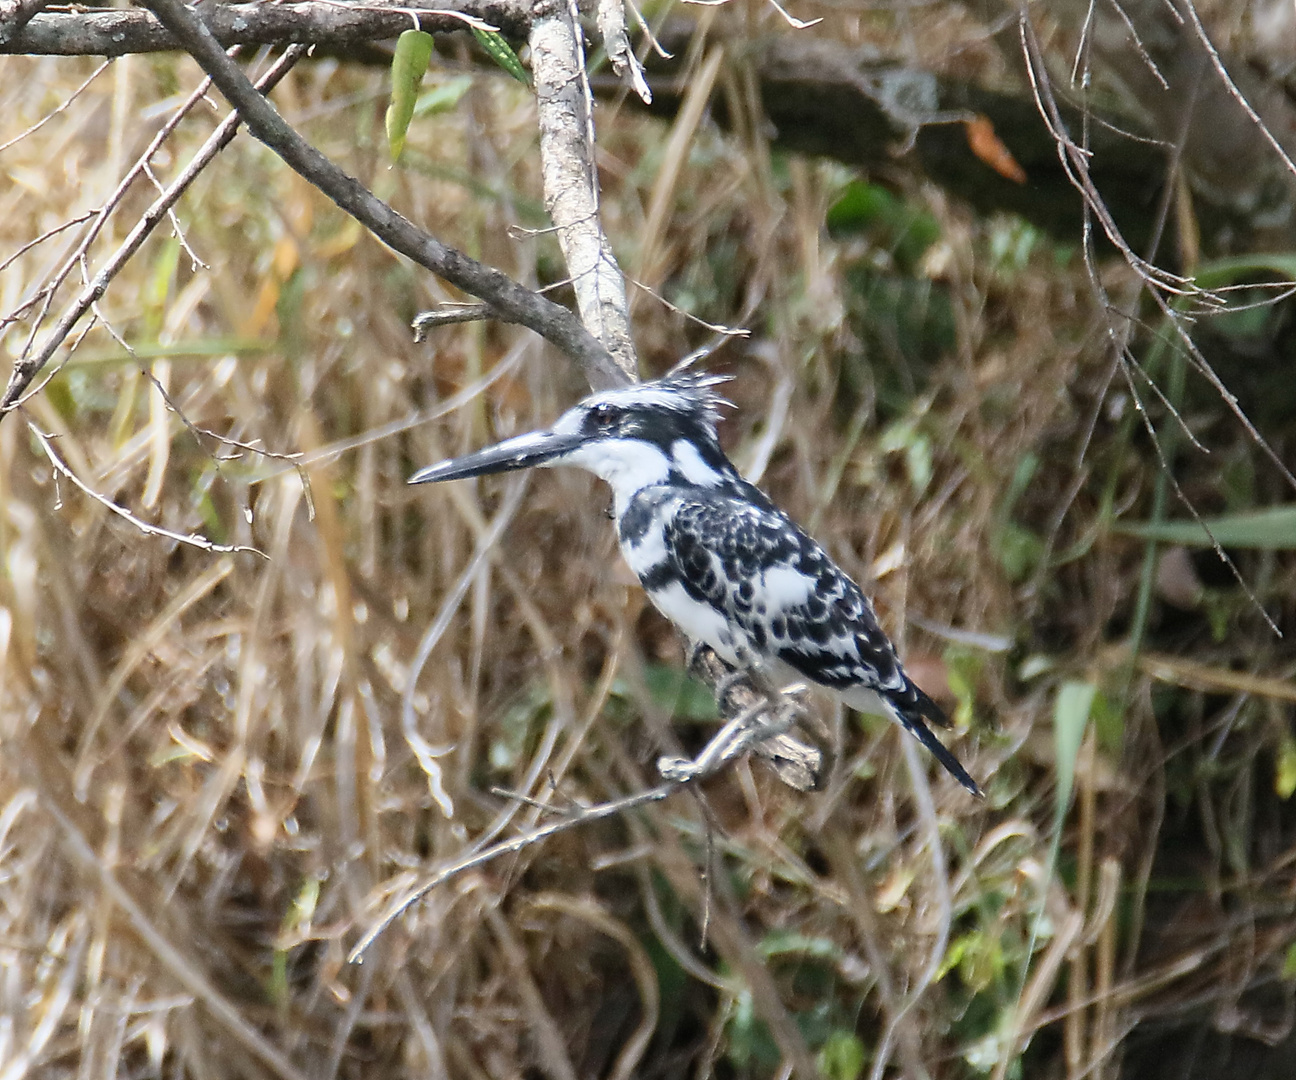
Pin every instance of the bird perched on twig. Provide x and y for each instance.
(714, 555)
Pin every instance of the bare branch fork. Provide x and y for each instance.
(510, 301)
(749, 730)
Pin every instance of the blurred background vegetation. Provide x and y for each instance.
(216, 766)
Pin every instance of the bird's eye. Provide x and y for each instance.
(606, 415)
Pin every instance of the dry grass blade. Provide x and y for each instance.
(667, 180)
(1212, 679)
(58, 802)
(135, 656)
(446, 705)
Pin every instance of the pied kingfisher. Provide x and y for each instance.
(715, 556)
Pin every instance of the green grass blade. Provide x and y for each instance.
(1271, 529)
(1070, 716)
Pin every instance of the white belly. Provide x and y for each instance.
(866, 701)
(699, 621)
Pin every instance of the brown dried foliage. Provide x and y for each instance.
(206, 789)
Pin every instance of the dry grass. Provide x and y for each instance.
(208, 785)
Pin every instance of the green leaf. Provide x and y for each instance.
(904, 230)
(1022, 476)
(158, 286)
(413, 51)
(1285, 780)
(790, 942)
(841, 1057)
(515, 727)
(906, 436)
(675, 689)
(1271, 529)
(1109, 724)
(1011, 244)
(1212, 275)
(1019, 550)
(751, 1047)
(979, 958)
(1070, 716)
(1289, 962)
(963, 667)
(502, 53)
(444, 97)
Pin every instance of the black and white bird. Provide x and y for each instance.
(715, 556)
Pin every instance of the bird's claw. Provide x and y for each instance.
(763, 721)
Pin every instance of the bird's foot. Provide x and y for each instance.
(764, 722)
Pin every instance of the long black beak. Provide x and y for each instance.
(521, 452)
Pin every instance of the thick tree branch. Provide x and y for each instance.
(15, 14)
(564, 111)
(314, 22)
(511, 302)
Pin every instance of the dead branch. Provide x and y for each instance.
(564, 109)
(313, 22)
(16, 14)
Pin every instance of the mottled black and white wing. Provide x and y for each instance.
(783, 599)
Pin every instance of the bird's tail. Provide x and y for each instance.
(912, 709)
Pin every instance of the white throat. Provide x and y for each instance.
(628, 465)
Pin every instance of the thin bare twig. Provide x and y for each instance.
(1237, 94)
(60, 108)
(715, 328)
(189, 539)
(504, 847)
(1139, 47)
(48, 234)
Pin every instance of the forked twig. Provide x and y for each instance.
(189, 539)
(504, 847)
(744, 732)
